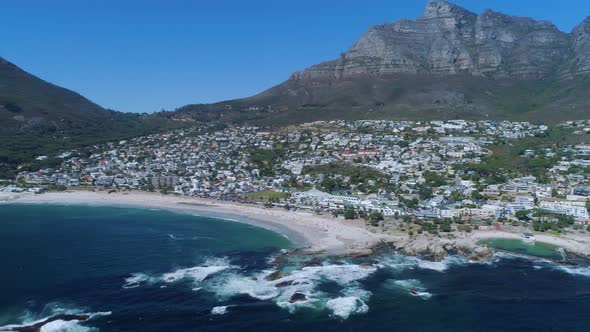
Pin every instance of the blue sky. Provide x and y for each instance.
(147, 55)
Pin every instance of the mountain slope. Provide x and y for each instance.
(37, 117)
(447, 63)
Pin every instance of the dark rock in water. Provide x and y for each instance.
(37, 326)
(284, 284)
(481, 253)
(314, 262)
(276, 275)
(358, 254)
(297, 297)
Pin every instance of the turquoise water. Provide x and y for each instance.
(537, 249)
(143, 270)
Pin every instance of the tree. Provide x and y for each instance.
(425, 192)
(375, 217)
(475, 195)
(350, 213)
(522, 214)
(464, 228)
(445, 227)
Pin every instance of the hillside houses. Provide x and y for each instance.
(419, 162)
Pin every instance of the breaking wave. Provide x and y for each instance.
(304, 282)
(138, 279)
(197, 274)
(220, 310)
(343, 307)
(400, 262)
(406, 285)
(578, 271)
(65, 326)
(53, 311)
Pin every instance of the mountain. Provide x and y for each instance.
(38, 118)
(448, 63)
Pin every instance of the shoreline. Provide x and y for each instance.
(571, 243)
(306, 231)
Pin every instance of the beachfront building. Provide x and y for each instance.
(576, 209)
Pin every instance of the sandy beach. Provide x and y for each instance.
(307, 230)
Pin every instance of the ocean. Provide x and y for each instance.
(149, 270)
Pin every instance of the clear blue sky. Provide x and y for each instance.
(145, 55)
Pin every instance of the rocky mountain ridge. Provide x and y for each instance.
(448, 39)
(447, 63)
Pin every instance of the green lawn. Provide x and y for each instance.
(267, 195)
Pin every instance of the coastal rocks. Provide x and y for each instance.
(297, 297)
(425, 245)
(284, 284)
(480, 253)
(276, 275)
(436, 249)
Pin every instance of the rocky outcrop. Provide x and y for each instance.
(437, 248)
(448, 39)
(580, 61)
(449, 63)
(298, 297)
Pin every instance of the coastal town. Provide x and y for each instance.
(441, 171)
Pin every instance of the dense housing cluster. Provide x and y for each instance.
(484, 170)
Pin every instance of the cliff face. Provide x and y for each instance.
(580, 61)
(448, 39)
(447, 63)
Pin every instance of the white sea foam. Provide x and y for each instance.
(138, 279)
(542, 263)
(65, 326)
(197, 274)
(221, 310)
(504, 255)
(400, 263)
(342, 274)
(58, 325)
(424, 295)
(407, 284)
(343, 307)
(304, 280)
(255, 287)
(353, 302)
(578, 271)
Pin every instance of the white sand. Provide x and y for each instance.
(306, 229)
(313, 232)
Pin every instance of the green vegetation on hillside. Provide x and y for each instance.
(39, 118)
(340, 176)
(267, 160)
(507, 157)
